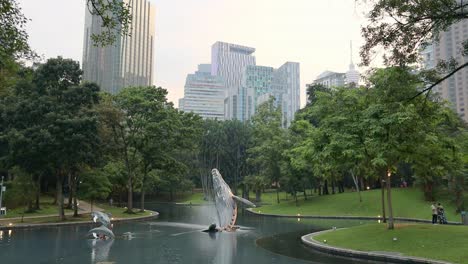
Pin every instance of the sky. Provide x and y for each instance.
(315, 33)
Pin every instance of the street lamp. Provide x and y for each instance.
(2, 189)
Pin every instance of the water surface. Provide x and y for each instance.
(174, 237)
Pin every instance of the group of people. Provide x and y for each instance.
(438, 214)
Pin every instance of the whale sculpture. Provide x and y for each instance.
(103, 231)
(225, 202)
(101, 217)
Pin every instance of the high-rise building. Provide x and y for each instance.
(331, 79)
(455, 88)
(129, 61)
(283, 84)
(257, 81)
(204, 94)
(229, 61)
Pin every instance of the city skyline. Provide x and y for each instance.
(316, 34)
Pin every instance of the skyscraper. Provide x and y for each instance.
(229, 61)
(204, 94)
(129, 61)
(455, 88)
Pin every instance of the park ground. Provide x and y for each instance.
(440, 242)
(48, 213)
(407, 203)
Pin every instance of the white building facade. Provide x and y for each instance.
(229, 61)
(204, 94)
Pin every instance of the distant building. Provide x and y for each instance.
(229, 61)
(287, 84)
(352, 75)
(204, 94)
(331, 79)
(129, 61)
(455, 88)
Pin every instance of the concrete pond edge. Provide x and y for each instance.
(309, 241)
(154, 214)
(369, 218)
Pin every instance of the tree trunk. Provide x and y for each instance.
(75, 200)
(130, 195)
(258, 196)
(277, 193)
(142, 200)
(59, 196)
(143, 183)
(305, 194)
(70, 193)
(333, 186)
(38, 193)
(325, 188)
(355, 180)
(361, 181)
(382, 188)
(389, 202)
(295, 198)
(171, 192)
(429, 191)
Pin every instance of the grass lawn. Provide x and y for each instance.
(441, 242)
(119, 212)
(47, 208)
(408, 202)
(45, 219)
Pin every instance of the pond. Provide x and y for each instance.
(174, 237)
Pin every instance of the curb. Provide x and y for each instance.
(370, 218)
(79, 223)
(309, 241)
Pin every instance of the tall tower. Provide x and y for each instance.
(352, 75)
(455, 88)
(129, 61)
(229, 61)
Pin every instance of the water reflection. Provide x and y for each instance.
(226, 247)
(100, 249)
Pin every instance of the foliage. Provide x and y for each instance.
(116, 19)
(403, 27)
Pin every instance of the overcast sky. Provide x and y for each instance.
(315, 33)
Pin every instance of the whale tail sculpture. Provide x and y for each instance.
(225, 202)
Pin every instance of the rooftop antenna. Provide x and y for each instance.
(351, 65)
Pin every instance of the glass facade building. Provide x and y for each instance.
(129, 61)
(204, 94)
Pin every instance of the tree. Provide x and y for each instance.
(268, 143)
(95, 185)
(404, 27)
(51, 124)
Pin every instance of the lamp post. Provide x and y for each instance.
(1, 193)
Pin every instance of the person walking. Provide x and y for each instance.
(434, 213)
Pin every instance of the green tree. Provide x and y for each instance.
(51, 124)
(268, 143)
(95, 185)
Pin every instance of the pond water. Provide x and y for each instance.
(174, 237)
